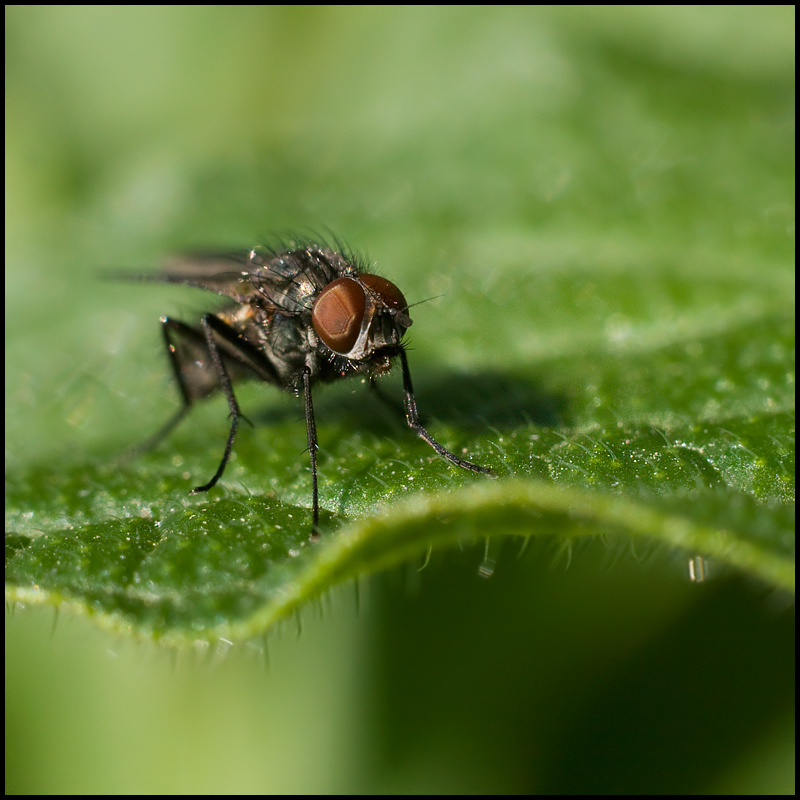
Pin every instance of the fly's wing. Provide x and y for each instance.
(230, 275)
(227, 274)
(285, 281)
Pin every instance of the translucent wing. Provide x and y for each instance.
(230, 274)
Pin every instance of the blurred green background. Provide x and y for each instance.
(584, 185)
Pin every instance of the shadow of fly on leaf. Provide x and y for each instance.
(295, 316)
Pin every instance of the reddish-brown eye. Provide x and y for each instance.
(385, 290)
(338, 313)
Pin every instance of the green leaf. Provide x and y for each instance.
(615, 336)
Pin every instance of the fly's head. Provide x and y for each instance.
(362, 318)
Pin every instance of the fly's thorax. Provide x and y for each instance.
(290, 281)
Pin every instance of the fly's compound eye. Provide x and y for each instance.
(386, 291)
(338, 313)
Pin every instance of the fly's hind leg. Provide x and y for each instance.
(210, 325)
(199, 370)
(176, 358)
(205, 360)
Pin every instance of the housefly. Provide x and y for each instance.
(295, 317)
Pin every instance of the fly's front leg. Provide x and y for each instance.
(412, 417)
(210, 323)
(387, 401)
(311, 430)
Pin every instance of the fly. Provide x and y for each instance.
(294, 318)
